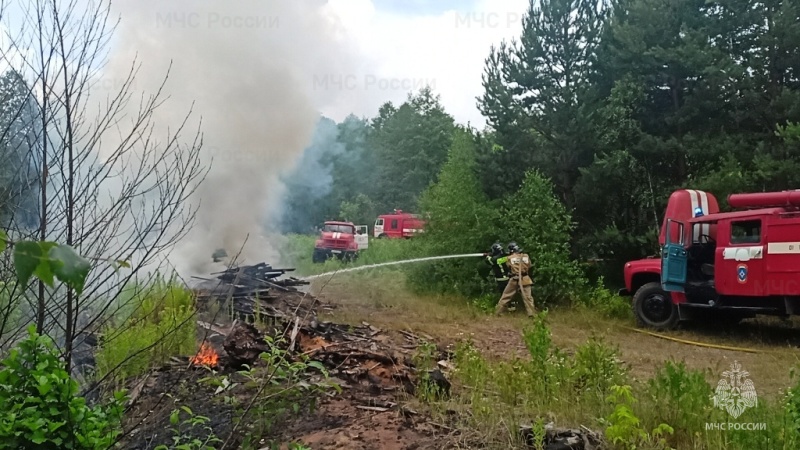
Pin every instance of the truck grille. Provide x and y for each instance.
(336, 243)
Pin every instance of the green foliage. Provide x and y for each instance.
(682, 397)
(459, 217)
(357, 169)
(539, 222)
(791, 407)
(500, 394)
(361, 210)
(183, 432)
(411, 143)
(538, 94)
(160, 325)
(597, 367)
(459, 220)
(41, 405)
(624, 428)
(608, 304)
(48, 259)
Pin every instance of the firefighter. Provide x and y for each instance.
(519, 266)
(497, 259)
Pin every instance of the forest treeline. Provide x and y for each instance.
(616, 105)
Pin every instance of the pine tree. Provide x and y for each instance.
(538, 91)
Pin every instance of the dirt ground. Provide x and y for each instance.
(383, 302)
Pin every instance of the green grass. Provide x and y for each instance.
(591, 387)
(159, 324)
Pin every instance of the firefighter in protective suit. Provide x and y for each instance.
(497, 259)
(519, 266)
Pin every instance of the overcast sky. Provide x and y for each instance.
(408, 43)
(388, 47)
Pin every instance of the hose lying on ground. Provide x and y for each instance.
(699, 344)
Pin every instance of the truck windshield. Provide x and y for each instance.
(338, 229)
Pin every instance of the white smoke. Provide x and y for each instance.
(247, 69)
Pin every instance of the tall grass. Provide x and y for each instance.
(158, 325)
(593, 388)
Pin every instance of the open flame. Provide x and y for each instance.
(206, 356)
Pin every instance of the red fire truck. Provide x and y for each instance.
(724, 266)
(341, 239)
(398, 225)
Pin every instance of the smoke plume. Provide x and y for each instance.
(311, 180)
(246, 70)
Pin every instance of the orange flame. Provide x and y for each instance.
(206, 356)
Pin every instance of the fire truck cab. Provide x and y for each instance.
(341, 239)
(720, 265)
(398, 225)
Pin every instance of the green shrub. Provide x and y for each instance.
(41, 405)
(624, 429)
(597, 367)
(159, 326)
(608, 304)
(538, 221)
(681, 397)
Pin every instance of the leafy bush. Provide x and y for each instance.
(541, 224)
(599, 298)
(596, 368)
(460, 219)
(625, 429)
(41, 405)
(682, 397)
(159, 326)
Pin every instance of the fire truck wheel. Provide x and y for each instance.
(653, 308)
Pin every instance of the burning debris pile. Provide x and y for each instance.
(248, 290)
(362, 355)
(375, 369)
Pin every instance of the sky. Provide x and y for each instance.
(398, 46)
(405, 44)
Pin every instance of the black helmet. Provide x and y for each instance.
(497, 248)
(514, 248)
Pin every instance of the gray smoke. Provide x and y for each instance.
(247, 69)
(311, 180)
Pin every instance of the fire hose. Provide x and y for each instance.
(698, 344)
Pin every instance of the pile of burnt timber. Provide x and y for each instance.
(249, 288)
(258, 277)
(360, 356)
